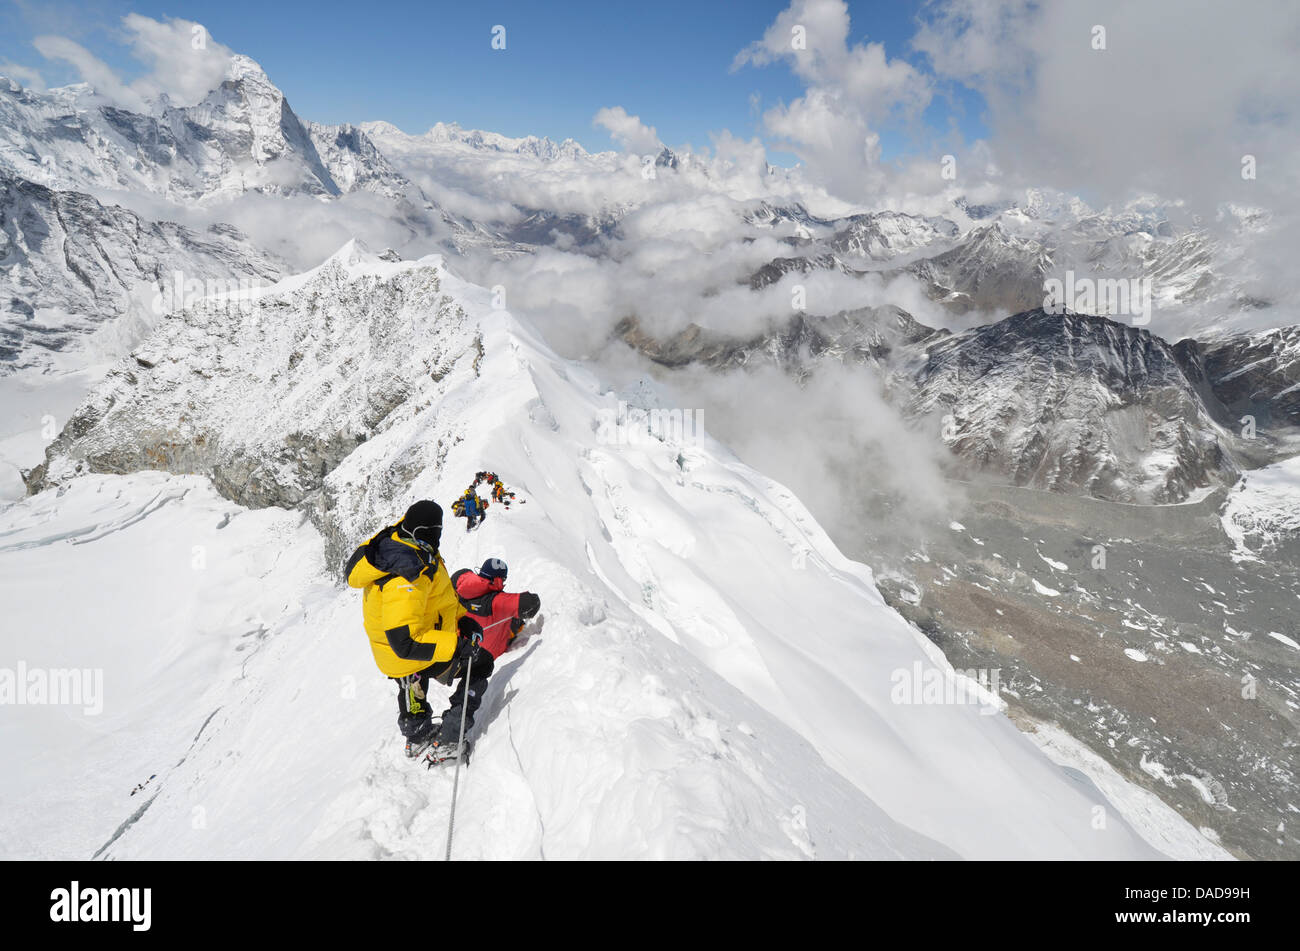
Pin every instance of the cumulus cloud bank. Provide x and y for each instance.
(1114, 97)
(184, 62)
(849, 89)
(629, 132)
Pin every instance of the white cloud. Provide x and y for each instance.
(822, 57)
(24, 75)
(629, 132)
(91, 68)
(1179, 94)
(854, 448)
(185, 62)
(850, 89)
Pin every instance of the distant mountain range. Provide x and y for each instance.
(1073, 403)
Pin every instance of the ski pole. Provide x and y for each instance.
(460, 752)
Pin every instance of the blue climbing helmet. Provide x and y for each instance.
(493, 568)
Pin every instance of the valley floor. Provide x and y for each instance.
(1144, 632)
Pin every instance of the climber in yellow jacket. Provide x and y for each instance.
(417, 627)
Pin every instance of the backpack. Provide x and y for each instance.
(480, 606)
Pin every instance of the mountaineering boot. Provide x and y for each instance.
(447, 752)
(419, 741)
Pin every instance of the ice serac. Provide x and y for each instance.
(714, 679)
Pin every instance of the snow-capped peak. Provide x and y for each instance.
(451, 133)
(1048, 204)
(378, 127)
(243, 67)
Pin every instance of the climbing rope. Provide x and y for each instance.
(460, 754)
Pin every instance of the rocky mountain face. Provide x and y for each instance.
(777, 268)
(70, 265)
(1076, 404)
(1256, 374)
(875, 335)
(547, 227)
(995, 266)
(72, 261)
(991, 270)
(355, 164)
(793, 218)
(852, 245)
(884, 236)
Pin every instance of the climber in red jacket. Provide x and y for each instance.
(501, 615)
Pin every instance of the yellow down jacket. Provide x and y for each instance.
(411, 610)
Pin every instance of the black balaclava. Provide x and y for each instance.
(423, 522)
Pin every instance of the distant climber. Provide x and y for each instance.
(501, 615)
(473, 507)
(417, 626)
(499, 492)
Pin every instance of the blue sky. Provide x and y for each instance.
(416, 63)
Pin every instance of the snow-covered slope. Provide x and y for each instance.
(272, 735)
(712, 677)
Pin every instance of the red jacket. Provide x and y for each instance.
(490, 606)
